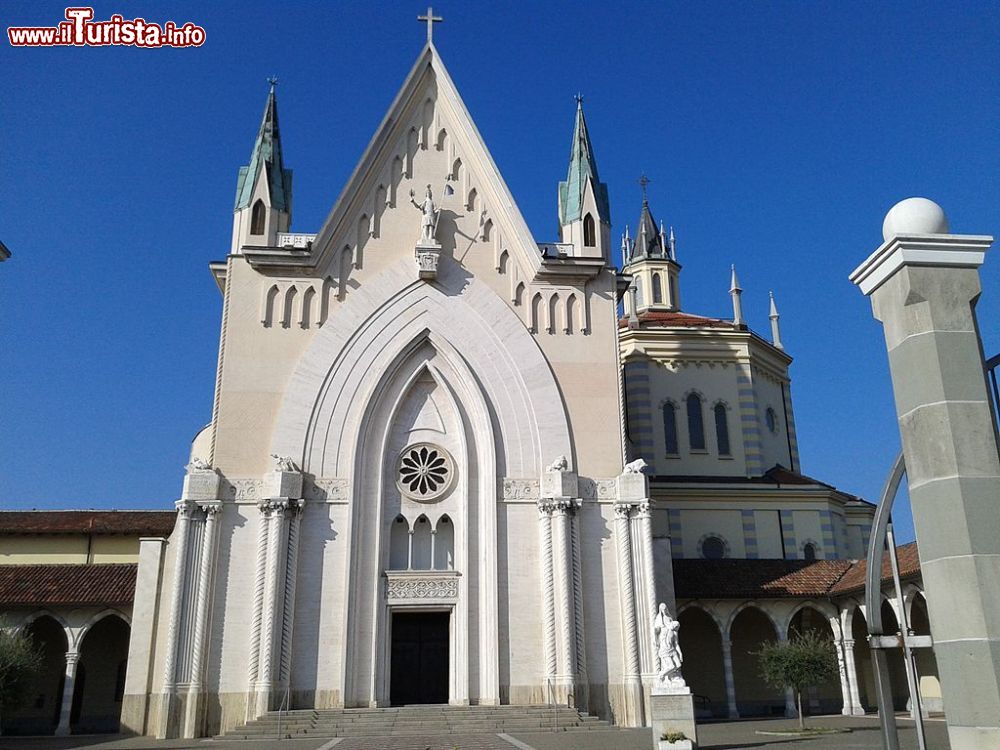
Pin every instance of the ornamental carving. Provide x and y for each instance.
(424, 472)
(245, 490)
(326, 489)
(521, 490)
(422, 587)
(598, 489)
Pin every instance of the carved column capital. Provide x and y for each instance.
(644, 508)
(623, 510)
(72, 657)
(185, 508)
(210, 508)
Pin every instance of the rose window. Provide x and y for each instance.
(425, 471)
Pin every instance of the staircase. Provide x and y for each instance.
(414, 720)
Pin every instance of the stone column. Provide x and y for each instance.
(206, 570)
(257, 611)
(856, 708)
(845, 687)
(630, 643)
(582, 682)
(66, 704)
(562, 570)
(167, 725)
(727, 668)
(642, 527)
(548, 593)
(272, 606)
(924, 285)
(291, 578)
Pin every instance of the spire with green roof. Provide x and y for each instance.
(266, 158)
(582, 169)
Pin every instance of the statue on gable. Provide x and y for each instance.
(428, 223)
(667, 648)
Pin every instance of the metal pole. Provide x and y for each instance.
(909, 663)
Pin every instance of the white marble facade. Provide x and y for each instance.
(385, 441)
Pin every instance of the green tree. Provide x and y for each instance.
(20, 660)
(806, 660)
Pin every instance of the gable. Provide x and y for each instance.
(426, 137)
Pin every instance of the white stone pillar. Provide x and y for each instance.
(273, 590)
(562, 570)
(291, 576)
(856, 709)
(166, 726)
(582, 688)
(924, 284)
(845, 687)
(642, 529)
(727, 669)
(630, 645)
(257, 612)
(66, 703)
(206, 570)
(548, 593)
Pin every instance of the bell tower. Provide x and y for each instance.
(651, 260)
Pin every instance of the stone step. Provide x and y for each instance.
(415, 720)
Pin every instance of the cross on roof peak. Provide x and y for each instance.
(273, 80)
(643, 182)
(430, 19)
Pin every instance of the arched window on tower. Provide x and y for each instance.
(696, 423)
(673, 292)
(809, 552)
(257, 218)
(670, 428)
(589, 231)
(722, 429)
(657, 289)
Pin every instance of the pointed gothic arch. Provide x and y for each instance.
(589, 231)
(258, 218)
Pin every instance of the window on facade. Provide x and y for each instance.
(670, 428)
(673, 291)
(589, 231)
(713, 548)
(257, 218)
(772, 419)
(696, 423)
(722, 429)
(809, 552)
(657, 289)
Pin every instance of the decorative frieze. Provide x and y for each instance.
(424, 586)
(588, 488)
(326, 490)
(521, 490)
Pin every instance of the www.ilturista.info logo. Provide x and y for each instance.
(80, 30)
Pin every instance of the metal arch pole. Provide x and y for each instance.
(873, 604)
(912, 681)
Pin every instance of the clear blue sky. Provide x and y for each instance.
(776, 135)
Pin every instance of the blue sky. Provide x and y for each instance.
(776, 134)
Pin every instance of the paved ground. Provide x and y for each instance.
(717, 736)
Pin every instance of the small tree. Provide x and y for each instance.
(807, 660)
(20, 660)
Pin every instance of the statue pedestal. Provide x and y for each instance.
(672, 710)
(427, 253)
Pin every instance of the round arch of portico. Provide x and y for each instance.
(761, 607)
(708, 610)
(81, 632)
(831, 615)
(40, 613)
(910, 592)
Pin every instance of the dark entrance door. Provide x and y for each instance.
(419, 667)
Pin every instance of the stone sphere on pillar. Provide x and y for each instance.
(914, 216)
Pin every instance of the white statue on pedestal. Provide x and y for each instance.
(668, 649)
(428, 223)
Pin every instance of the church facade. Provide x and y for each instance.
(443, 467)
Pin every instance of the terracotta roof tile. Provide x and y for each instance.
(140, 522)
(46, 585)
(779, 579)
